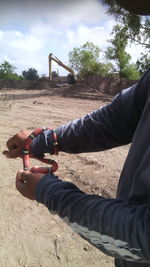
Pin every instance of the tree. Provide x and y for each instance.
(135, 27)
(30, 74)
(7, 72)
(130, 72)
(85, 60)
(6, 67)
(116, 52)
(143, 63)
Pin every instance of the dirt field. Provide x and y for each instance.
(29, 235)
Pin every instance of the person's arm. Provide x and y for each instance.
(112, 125)
(118, 228)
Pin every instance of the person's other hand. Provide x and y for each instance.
(26, 183)
(16, 144)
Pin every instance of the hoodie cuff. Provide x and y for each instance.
(44, 188)
(43, 143)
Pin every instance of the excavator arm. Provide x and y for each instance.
(60, 63)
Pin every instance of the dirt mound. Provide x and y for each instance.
(14, 84)
(43, 83)
(106, 85)
(92, 87)
(96, 87)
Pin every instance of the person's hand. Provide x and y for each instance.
(16, 144)
(26, 183)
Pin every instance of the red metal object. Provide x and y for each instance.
(26, 156)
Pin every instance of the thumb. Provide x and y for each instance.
(22, 175)
(14, 153)
(26, 183)
(23, 183)
(21, 178)
(25, 175)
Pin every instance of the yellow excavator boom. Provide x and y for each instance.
(60, 63)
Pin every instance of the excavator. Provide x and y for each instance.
(71, 76)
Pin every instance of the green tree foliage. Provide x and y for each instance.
(31, 74)
(7, 72)
(143, 63)
(85, 60)
(136, 28)
(6, 67)
(83, 57)
(130, 72)
(116, 52)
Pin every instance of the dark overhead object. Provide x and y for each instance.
(140, 7)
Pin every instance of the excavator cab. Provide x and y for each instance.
(71, 79)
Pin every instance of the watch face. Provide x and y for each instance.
(141, 7)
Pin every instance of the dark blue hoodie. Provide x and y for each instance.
(119, 227)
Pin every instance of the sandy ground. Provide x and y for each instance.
(29, 235)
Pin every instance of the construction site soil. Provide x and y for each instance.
(29, 235)
(92, 87)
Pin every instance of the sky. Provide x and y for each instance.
(32, 29)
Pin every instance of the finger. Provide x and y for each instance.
(22, 176)
(13, 153)
(11, 143)
(22, 182)
(34, 169)
(5, 152)
(25, 176)
(19, 182)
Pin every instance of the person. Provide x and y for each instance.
(119, 227)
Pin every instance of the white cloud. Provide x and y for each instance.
(19, 48)
(32, 48)
(58, 13)
(29, 31)
(96, 34)
(134, 51)
(27, 43)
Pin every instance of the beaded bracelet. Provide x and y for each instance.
(55, 142)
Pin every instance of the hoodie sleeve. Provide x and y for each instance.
(118, 228)
(110, 126)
